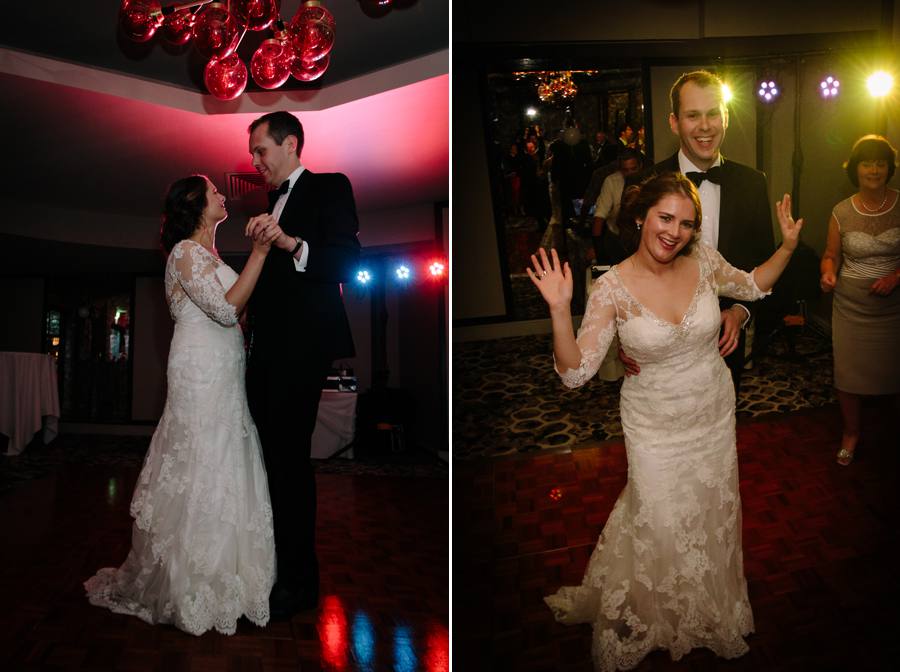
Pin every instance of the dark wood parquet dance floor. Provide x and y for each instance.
(820, 550)
(383, 548)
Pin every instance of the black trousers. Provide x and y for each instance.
(284, 400)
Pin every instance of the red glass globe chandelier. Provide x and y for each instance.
(271, 64)
(300, 47)
(225, 78)
(178, 27)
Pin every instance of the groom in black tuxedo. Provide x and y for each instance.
(299, 327)
(737, 219)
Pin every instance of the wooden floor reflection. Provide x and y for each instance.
(820, 550)
(383, 549)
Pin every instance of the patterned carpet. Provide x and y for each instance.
(508, 400)
(37, 460)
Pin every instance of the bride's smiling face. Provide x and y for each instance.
(668, 227)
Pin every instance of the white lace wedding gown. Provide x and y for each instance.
(203, 553)
(667, 572)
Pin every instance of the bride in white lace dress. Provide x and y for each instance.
(667, 571)
(202, 552)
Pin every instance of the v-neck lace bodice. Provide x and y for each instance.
(648, 338)
(650, 314)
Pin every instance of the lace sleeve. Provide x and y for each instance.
(196, 273)
(730, 281)
(596, 333)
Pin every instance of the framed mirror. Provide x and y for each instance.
(553, 137)
(88, 331)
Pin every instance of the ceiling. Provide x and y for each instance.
(87, 33)
(96, 123)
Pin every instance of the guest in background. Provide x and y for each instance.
(603, 151)
(533, 184)
(626, 136)
(861, 264)
(569, 164)
(605, 232)
(640, 143)
(512, 181)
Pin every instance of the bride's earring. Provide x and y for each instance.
(638, 222)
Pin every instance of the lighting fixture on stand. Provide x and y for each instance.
(768, 90)
(300, 47)
(829, 87)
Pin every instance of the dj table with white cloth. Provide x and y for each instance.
(29, 398)
(335, 424)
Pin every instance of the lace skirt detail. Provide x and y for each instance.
(667, 571)
(650, 591)
(203, 550)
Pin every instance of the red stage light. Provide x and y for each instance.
(556, 494)
(437, 651)
(437, 268)
(334, 633)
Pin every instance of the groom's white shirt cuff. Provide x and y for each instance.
(300, 264)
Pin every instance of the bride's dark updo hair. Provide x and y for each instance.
(638, 199)
(183, 210)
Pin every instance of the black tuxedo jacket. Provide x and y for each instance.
(745, 222)
(296, 315)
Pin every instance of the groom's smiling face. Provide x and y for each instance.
(273, 161)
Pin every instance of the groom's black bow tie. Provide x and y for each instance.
(275, 193)
(714, 175)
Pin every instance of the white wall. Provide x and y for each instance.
(475, 273)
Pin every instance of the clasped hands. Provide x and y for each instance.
(264, 231)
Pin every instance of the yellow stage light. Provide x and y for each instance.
(727, 94)
(880, 84)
